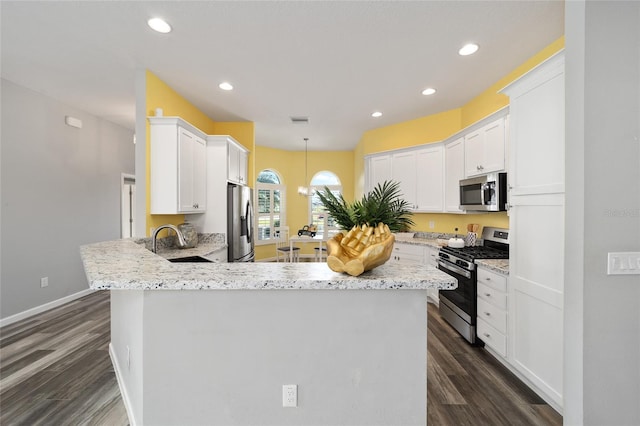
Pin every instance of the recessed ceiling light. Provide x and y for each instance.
(376, 114)
(159, 25)
(225, 86)
(468, 49)
(429, 91)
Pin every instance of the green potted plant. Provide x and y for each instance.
(368, 224)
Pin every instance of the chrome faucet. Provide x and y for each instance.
(154, 239)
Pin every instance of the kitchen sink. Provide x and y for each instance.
(189, 259)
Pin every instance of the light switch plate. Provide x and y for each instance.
(623, 263)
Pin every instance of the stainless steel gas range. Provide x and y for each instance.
(459, 307)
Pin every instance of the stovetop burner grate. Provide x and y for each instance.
(477, 252)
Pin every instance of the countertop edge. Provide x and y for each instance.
(125, 265)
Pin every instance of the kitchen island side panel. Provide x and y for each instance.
(221, 357)
(126, 348)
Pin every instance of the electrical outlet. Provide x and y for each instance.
(289, 395)
(624, 263)
(432, 224)
(44, 282)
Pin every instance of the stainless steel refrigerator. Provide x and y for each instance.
(240, 223)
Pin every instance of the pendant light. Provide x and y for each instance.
(304, 190)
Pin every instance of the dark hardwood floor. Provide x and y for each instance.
(467, 386)
(55, 370)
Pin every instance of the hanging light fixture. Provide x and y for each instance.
(304, 190)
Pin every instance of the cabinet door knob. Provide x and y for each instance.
(487, 279)
(488, 294)
(487, 314)
(486, 335)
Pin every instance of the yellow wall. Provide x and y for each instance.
(490, 100)
(432, 128)
(160, 95)
(290, 167)
(349, 166)
(437, 127)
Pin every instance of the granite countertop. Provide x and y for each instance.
(123, 264)
(207, 244)
(417, 241)
(500, 266)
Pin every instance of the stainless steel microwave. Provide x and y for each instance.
(486, 193)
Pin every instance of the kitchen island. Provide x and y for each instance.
(214, 343)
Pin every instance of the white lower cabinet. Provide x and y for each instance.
(420, 255)
(492, 310)
(410, 253)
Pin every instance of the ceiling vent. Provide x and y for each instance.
(300, 120)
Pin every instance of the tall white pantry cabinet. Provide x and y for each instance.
(536, 198)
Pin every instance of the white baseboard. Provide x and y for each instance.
(123, 390)
(39, 309)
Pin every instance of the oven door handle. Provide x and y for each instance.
(454, 268)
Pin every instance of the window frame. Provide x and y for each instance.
(272, 188)
(312, 190)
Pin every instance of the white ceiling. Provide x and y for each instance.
(335, 62)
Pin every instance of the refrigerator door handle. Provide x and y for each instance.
(249, 221)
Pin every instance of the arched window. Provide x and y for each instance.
(317, 212)
(270, 202)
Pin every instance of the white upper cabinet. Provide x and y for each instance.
(237, 157)
(178, 167)
(420, 173)
(192, 172)
(430, 179)
(485, 149)
(403, 170)
(537, 131)
(378, 170)
(454, 172)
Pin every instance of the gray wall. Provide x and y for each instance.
(221, 357)
(60, 188)
(602, 318)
